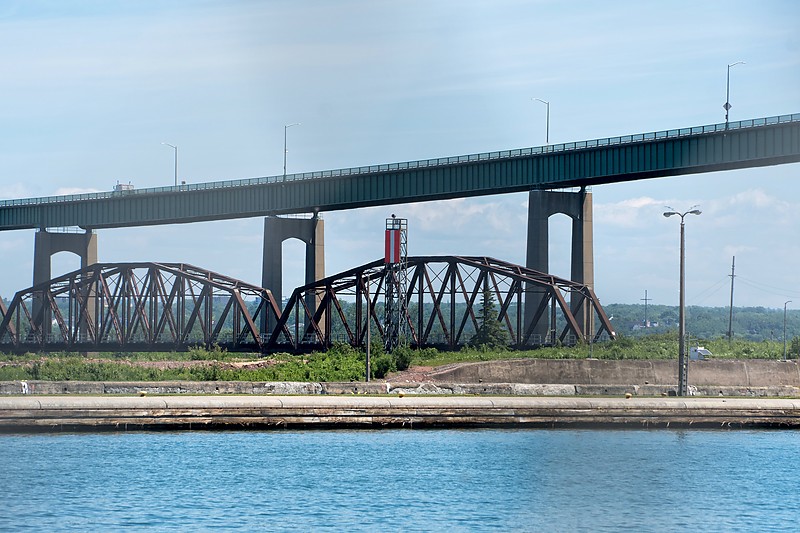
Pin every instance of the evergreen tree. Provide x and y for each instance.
(491, 333)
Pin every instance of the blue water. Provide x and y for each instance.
(402, 480)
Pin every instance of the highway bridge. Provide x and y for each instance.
(747, 143)
(539, 170)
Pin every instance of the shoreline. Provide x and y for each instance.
(442, 388)
(26, 414)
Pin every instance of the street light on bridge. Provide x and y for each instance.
(286, 127)
(547, 131)
(683, 361)
(728, 105)
(176, 160)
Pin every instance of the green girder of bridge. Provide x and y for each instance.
(743, 144)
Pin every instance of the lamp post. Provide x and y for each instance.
(547, 130)
(176, 160)
(286, 127)
(683, 361)
(784, 328)
(728, 105)
(369, 318)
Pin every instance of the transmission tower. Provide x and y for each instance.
(396, 259)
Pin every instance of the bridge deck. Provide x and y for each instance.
(749, 143)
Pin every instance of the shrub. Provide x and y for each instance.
(402, 357)
(381, 365)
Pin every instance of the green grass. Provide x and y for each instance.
(197, 353)
(343, 363)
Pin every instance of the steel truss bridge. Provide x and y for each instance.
(135, 307)
(173, 306)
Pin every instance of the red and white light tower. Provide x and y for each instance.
(395, 260)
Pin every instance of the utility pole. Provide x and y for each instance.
(784, 329)
(175, 148)
(369, 319)
(286, 127)
(645, 299)
(728, 105)
(730, 317)
(683, 359)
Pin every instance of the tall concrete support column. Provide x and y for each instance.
(537, 258)
(276, 230)
(582, 261)
(541, 206)
(47, 244)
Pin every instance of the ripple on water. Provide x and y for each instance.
(455, 480)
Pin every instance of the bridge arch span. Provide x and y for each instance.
(137, 307)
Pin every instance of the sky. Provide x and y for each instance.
(91, 89)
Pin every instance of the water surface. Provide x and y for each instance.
(403, 480)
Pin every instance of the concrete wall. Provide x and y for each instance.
(115, 413)
(731, 373)
(522, 377)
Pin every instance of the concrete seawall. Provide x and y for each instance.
(67, 413)
(702, 374)
(132, 388)
(519, 377)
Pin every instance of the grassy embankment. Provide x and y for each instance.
(341, 363)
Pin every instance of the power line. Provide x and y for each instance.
(777, 291)
(708, 292)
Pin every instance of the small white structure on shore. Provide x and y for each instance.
(698, 353)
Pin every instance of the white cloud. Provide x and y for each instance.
(64, 191)
(626, 213)
(496, 216)
(755, 199)
(13, 190)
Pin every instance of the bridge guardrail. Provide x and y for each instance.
(422, 163)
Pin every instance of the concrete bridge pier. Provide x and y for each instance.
(541, 206)
(46, 245)
(276, 230)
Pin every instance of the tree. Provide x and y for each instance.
(491, 333)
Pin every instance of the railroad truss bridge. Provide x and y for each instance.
(173, 307)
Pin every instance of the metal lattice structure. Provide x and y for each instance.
(443, 295)
(174, 306)
(137, 307)
(396, 283)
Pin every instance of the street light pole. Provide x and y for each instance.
(728, 105)
(547, 130)
(176, 160)
(286, 127)
(369, 319)
(683, 360)
(784, 328)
